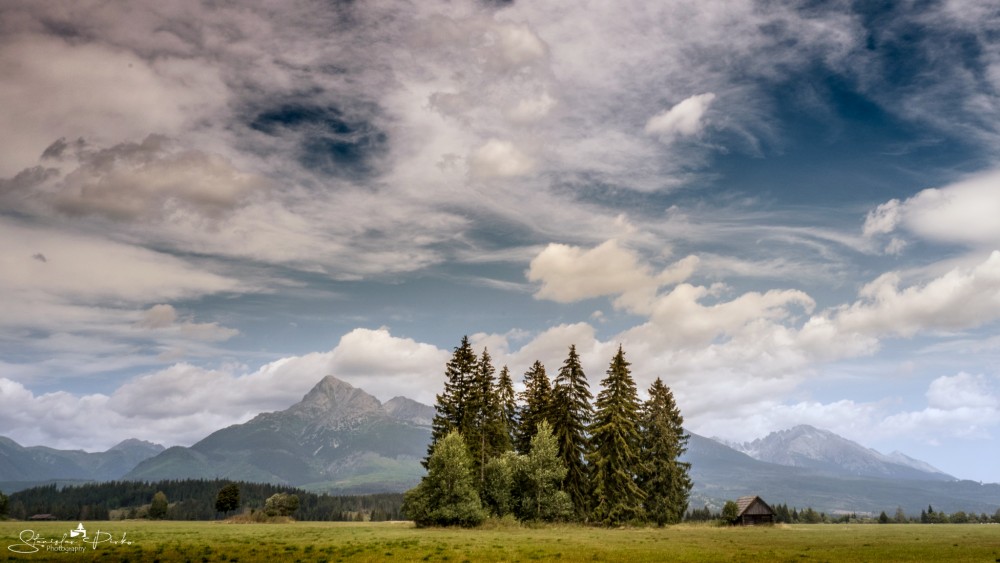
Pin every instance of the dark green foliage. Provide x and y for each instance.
(452, 408)
(447, 495)
(730, 512)
(508, 406)
(535, 399)
(194, 499)
(615, 454)
(486, 435)
(570, 414)
(3, 503)
(158, 506)
(281, 504)
(704, 514)
(228, 498)
(663, 477)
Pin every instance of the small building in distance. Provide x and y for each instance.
(751, 511)
(42, 517)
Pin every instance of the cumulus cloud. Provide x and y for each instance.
(963, 405)
(570, 273)
(960, 213)
(961, 298)
(685, 119)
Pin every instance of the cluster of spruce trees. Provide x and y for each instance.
(549, 453)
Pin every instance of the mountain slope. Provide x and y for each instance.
(40, 463)
(721, 473)
(824, 451)
(338, 439)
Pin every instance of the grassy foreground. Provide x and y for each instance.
(400, 541)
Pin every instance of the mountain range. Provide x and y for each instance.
(340, 439)
(24, 466)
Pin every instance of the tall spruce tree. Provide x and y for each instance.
(452, 412)
(487, 432)
(615, 440)
(508, 406)
(570, 415)
(536, 399)
(663, 477)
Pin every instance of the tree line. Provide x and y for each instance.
(194, 499)
(551, 452)
(785, 515)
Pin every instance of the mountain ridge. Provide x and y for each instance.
(825, 451)
(338, 438)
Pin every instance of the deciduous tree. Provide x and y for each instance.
(158, 506)
(228, 498)
(447, 495)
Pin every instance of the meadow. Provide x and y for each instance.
(166, 541)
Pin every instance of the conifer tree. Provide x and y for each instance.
(664, 478)
(508, 406)
(614, 455)
(535, 399)
(452, 412)
(570, 415)
(487, 437)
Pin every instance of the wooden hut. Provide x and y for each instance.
(752, 511)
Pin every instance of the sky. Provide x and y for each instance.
(787, 210)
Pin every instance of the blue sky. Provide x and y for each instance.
(786, 210)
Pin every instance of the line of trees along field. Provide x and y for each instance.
(192, 499)
(556, 456)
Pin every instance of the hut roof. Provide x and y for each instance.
(752, 505)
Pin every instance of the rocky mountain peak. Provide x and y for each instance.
(408, 410)
(334, 400)
(808, 446)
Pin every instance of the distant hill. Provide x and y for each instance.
(22, 466)
(337, 439)
(722, 473)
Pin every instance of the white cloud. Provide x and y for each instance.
(388, 366)
(499, 159)
(962, 405)
(961, 298)
(685, 119)
(570, 273)
(964, 212)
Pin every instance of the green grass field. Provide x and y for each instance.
(313, 541)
